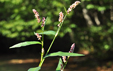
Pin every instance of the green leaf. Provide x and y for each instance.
(106, 47)
(101, 8)
(34, 69)
(90, 6)
(59, 65)
(50, 32)
(25, 44)
(63, 54)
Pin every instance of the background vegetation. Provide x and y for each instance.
(90, 25)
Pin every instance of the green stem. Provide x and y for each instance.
(66, 62)
(41, 62)
(42, 44)
(55, 35)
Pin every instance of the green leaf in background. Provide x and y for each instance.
(106, 47)
(59, 65)
(90, 6)
(26, 43)
(101, 8)
(34, 69)
(50, 32)
(63, 54)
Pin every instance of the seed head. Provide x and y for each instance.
(61, 17)
(73, 6)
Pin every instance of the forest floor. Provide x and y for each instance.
(24, 62)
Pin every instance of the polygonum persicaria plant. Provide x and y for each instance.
(40, 35)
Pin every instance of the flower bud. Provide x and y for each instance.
(72, 48)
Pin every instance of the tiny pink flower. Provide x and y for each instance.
(61, 17)
(38, 36)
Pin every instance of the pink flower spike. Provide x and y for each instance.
(61, 17)
(38, 36)
(64, 58)
(43, 22)
(73, 6)
(36, 15)
(72, 48)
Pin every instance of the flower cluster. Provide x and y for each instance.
(72, 48)
(38, 36)
(61, 17)
(71, 51)
(73, 6)
(37, 15)
(43, 22)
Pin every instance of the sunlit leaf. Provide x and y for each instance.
(106, 47)
(34, 69)
(101, 8)
(50, 32)
(63, 54)
(59, 65)
(90, 6)
(26, 43)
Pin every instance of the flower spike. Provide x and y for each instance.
(61, 17)
(37, 15)
(43, 22)
(38, 36)
(73, 6)
(72, 48)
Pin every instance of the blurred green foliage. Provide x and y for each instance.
(17, 21)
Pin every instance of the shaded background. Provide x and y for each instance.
(89, 26)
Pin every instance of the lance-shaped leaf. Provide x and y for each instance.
(59, 65)
(26, 43)
(34, 69)
(63, 54)
(50, 32)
